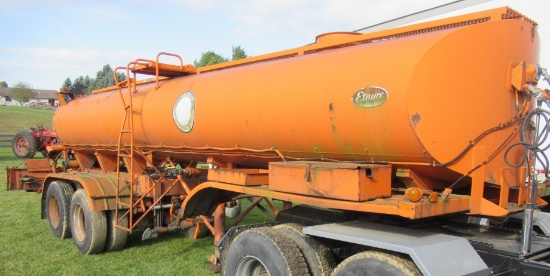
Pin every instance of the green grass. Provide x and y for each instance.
(28, 248)
(14, 118)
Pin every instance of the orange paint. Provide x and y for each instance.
(411, 98)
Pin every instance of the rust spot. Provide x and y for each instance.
(331, 110)
(415, 119)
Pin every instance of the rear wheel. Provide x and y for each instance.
(319, 258)
(116, 237)
(264, 251)
(376, 263)
(58, 206)
(24, 144)
(89, 229)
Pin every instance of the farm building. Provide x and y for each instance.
(44, 98)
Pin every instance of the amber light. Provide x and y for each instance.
(413, 194)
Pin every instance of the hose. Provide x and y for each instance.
(539, 115)
(537, 146)
(485, 133)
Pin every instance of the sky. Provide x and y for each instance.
(43, 42)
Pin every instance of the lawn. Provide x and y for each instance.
(28, 248)
(14, 119)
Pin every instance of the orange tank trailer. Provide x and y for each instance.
(306, 103)
(410, 123)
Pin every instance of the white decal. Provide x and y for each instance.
(184, 111)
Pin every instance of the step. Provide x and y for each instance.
(165, 70)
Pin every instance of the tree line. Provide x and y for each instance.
(105, 78)
(210, 57)
(85, 85)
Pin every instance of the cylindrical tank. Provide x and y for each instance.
(414, 98)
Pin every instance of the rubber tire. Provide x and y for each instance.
(376, 263)
(319, 258)
(32, 144)
(278, 254)
(116, 237)
(58, 206)
(89, 229)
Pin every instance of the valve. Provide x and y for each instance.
(539, 94)
(523, 74)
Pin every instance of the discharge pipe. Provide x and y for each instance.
(536, 146)
(529, 210)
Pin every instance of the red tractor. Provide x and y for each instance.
(26, 144)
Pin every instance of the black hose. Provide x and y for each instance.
(483, 134)
(544, 119)
(536, 146)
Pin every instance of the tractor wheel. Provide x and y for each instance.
(264, 251)
(58, 206)
(319, 258)
(376, 263)
(24, 144)
(116, 237)
(89, 229)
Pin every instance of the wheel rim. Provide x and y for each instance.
(53, 211)
(251, 266)
(79, 223)
(22, 145)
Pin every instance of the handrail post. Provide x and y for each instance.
(157, 61)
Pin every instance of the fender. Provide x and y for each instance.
(204, 199)
(100, 189)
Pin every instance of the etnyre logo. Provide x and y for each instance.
(371, 96)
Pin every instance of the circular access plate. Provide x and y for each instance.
(184, 111)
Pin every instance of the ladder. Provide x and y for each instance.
(126, 199)
(125, 151)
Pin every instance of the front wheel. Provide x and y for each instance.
(376, 263)
(264, 251)
(319, 258)
(89, 229)
(24, 145)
